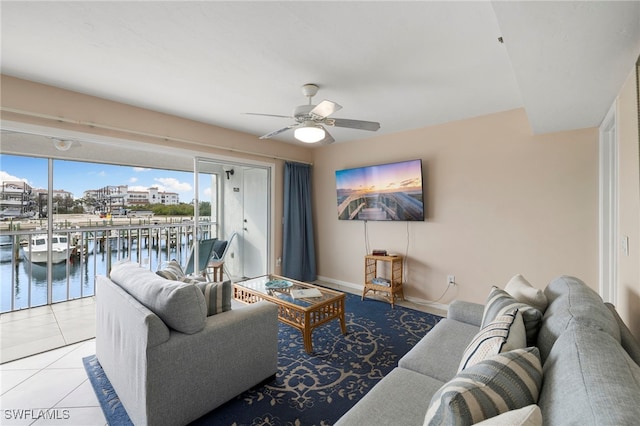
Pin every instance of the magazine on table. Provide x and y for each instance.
(305, 293)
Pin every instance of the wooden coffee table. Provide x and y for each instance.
(304, 313)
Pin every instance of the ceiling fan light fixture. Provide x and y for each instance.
(309, 133)
(62, 144)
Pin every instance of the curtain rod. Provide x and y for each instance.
(139, 133)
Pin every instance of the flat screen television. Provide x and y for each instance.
(382, 192)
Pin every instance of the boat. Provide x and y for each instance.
(15, 213)
(36, 250)
(6, 240)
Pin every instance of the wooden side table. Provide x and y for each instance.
(394, 289)
(217, 269)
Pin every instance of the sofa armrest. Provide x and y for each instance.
(467, 312)
(629, 343)
(236, 350)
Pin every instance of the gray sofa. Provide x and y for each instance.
(590, 371)
(167, 360)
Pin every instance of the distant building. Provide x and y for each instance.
(110, 198)
(166, 198)
(60, 192)
(16, 199)
(137, 198)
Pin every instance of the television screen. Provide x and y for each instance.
(382, 192)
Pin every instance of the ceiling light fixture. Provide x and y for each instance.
(309, 133)
(62, 144)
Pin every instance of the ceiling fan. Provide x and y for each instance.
(310, 119)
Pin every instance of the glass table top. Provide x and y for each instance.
(285, 289)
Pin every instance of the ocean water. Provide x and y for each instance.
(26, 282)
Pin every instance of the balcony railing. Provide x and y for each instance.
(92, 250)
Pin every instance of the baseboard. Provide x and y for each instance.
(357, 289)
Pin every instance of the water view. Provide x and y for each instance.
(24, 283)
(100, 214)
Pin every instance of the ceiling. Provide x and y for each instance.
(405, 64)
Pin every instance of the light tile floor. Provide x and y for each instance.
(31, 331)
(51, 388)
(42, 379)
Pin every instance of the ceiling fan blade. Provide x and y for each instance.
(325, 109)
(277, 132)
(269, 115)
(354, 124)
(327, 139)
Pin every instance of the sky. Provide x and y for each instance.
(380, 177)
(77, 177)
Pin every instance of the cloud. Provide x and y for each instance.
(6, 177)
(173, 185)
(133, 180)
(141, 169)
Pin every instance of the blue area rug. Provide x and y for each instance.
(309, 389)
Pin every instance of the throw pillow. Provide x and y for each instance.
(503, 334)
(524, 292)
(504, 382)
(193, 279)
(171, 271)
(217, 296)
(531, 415)
(499, 302)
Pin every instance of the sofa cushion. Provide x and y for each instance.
(589, 379)
(499, 301)
(524, 292)
(171, 271)
(503, 334)
(525, 416)
(572, 301)
(504, 382)
(181, 306)
(398, 400)
(438, 353)
(217, 296)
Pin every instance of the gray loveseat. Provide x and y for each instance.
(167, 360)
(590, 371)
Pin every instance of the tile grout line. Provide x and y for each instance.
(37, 370)
(59, 327)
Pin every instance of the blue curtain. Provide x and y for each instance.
(298, 249)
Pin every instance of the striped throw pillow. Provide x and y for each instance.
(504, 382)
(499, 302)
(503, 334)
(217, 296)
(171, 271)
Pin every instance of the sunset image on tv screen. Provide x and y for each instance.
(381, 192)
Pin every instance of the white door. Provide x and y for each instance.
(255, 221)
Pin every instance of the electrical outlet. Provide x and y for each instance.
(451, 280)
(625, 245)
(279, 261)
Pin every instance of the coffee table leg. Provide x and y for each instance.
(308, 342)
(343, 324)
